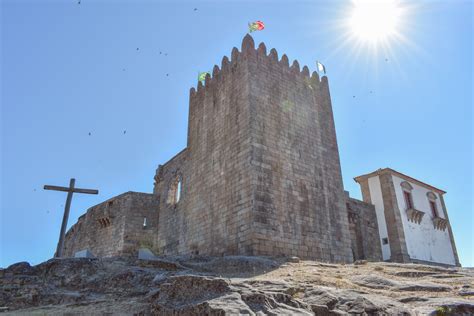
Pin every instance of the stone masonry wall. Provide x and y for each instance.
(113, 227)
(298, 197)
(136, 235)
(170, 217)
(364, 230)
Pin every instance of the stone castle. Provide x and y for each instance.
(261, 175)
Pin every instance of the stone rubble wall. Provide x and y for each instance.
(365, 239)
(114, 227)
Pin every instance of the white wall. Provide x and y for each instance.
(376, 199)
(424, 242)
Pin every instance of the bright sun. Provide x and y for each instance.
(374, 20)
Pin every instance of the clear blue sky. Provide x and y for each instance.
(70, 69)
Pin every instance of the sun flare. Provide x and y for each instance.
(374, 20)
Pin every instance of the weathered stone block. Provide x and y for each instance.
(84, 254)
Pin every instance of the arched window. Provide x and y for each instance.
(407, 188)
(432, 200)
(175, 190)
(178, 191)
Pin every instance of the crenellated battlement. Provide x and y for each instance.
(249, 54)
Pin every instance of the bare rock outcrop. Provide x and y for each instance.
(232, 286)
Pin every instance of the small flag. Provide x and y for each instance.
(202, 76)
(321, 67)
(256, 26)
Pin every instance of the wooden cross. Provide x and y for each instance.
(70, 191)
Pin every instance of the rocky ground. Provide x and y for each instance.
(232, 286)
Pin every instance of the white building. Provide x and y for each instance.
(412, 218)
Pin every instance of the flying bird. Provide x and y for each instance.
(90, 134)
(195, 9)
(124, 132)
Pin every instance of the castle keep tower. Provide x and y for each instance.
(260, 175)
(261, 172)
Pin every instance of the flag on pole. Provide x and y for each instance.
(256, 26)
(321, 67)
(202, 76)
